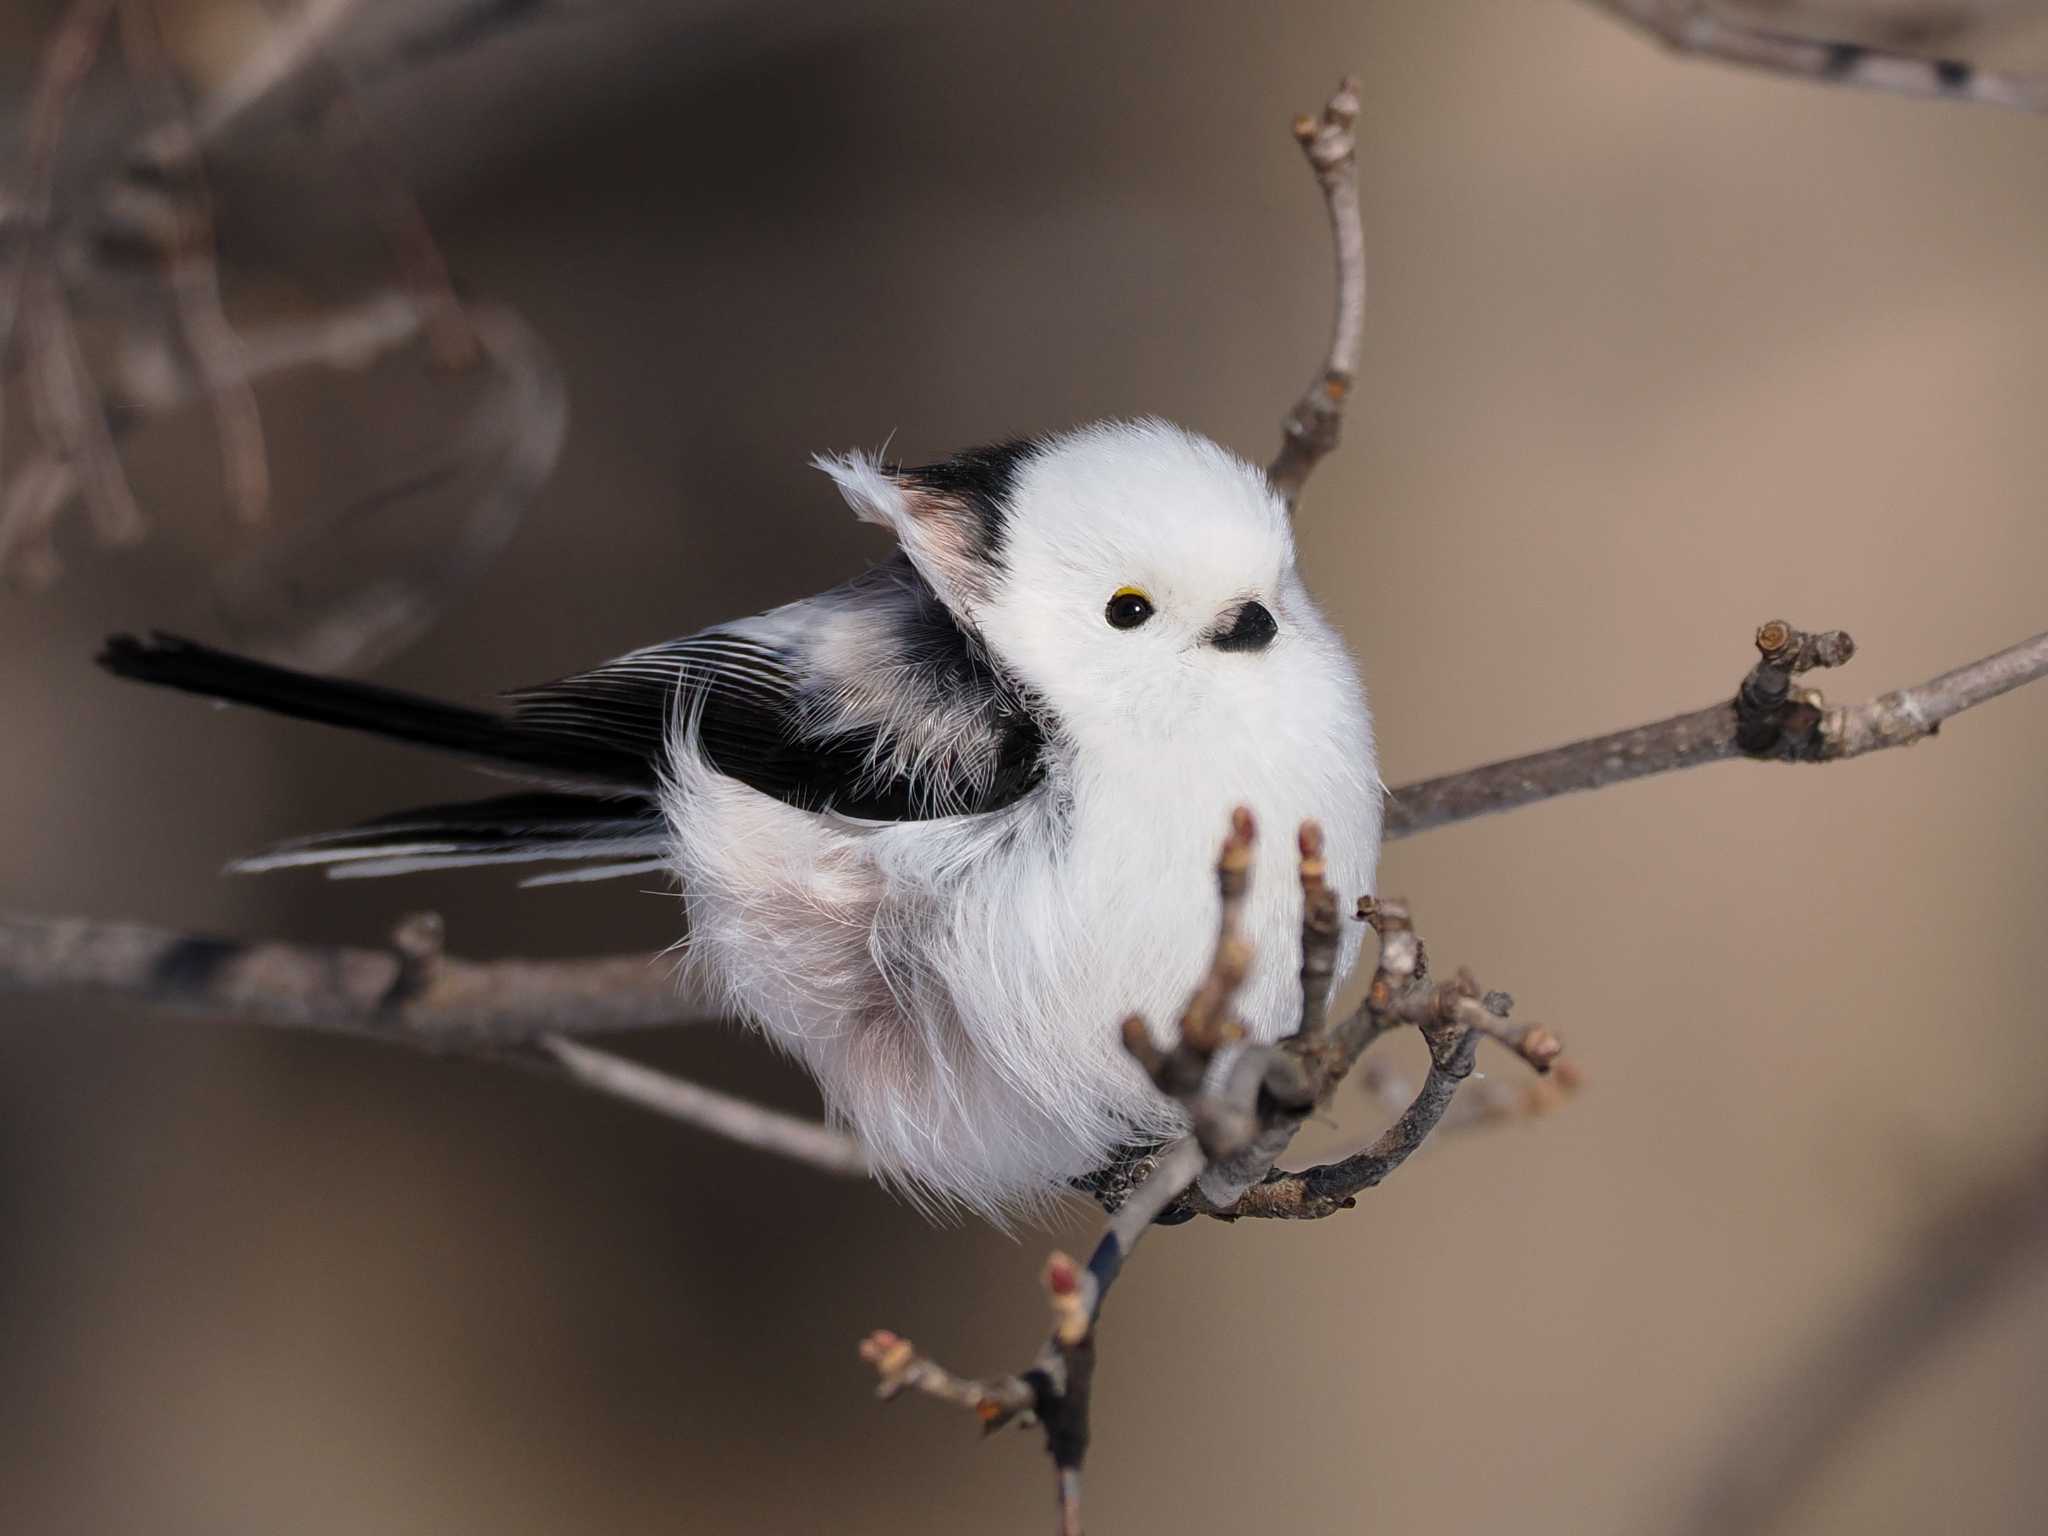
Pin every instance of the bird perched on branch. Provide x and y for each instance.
(938, 829)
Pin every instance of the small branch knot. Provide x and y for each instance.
(418, 941)
(1773, 719)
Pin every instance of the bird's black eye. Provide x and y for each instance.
(1128, 609)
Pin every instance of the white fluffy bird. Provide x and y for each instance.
(939, 829)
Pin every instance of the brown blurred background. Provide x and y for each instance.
(1655, 351)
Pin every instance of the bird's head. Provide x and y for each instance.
(1134, 577)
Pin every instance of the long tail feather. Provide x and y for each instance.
(627, 836)
(493, 739)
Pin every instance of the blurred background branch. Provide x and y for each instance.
(135, 242)
(1807, 47)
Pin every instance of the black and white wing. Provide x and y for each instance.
(867, 702)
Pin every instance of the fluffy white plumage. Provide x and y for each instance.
(955, 984)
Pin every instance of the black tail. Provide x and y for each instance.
(601, 814)
(497, 740)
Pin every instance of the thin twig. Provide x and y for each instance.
(1693, 27)
(1056, 1392)
(1453, 1017)
(735, 1119)
(1311, 428)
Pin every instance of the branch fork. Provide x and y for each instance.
(1244, 1101)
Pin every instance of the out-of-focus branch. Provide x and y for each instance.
(1693, 27)
(156, 216)
(67, 410)
(290, 64)
(78, 455)
(146, 381)
(286, 51)
(293, 599)
(1311, 428)
(521, 1012)
(1767, 720)
(171, 153)
(32, 309)
(68, 56)
(751, 1125)
(1994, 1236)
(1485, 1102)
(408, 992)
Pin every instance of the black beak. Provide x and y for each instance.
(1252, 630)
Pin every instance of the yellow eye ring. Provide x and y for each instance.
(1128, 608)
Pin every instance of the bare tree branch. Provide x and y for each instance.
(1311, 428)
(1452, 1017)
(407, 992)
(1056, 1391)
(1691, 26)
(519, 1012)
(1788, 727)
